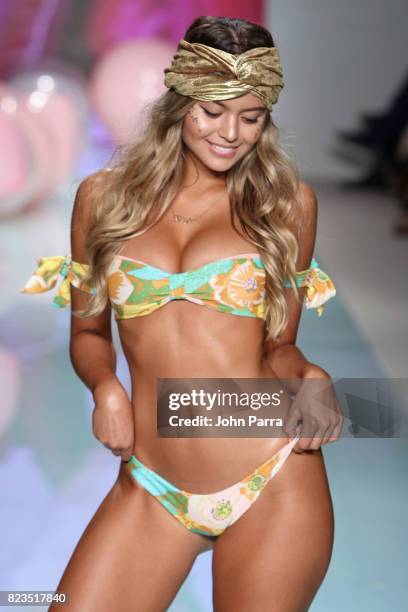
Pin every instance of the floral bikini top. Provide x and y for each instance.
(235, 285)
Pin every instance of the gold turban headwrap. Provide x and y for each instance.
(206, 73)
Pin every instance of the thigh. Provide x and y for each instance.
(276, 555)
(132, 555)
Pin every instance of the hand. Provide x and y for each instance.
(315, 405)
(112, 418)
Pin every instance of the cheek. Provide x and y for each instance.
(197, 126)
(253, 134)
(193, 123)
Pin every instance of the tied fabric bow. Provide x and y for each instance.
(47, 273)
(320, 287)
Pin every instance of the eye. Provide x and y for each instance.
(210, 114)
(247, 120)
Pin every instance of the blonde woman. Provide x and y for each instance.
(200, 240)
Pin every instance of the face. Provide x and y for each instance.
(221, 133)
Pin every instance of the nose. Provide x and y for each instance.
(229, 128)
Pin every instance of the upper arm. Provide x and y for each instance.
(304, 227)
(82, 219)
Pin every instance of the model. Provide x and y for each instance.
(200, 240)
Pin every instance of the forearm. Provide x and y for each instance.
(289, 363)
(93, 358)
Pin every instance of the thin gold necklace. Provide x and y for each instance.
(177, 218)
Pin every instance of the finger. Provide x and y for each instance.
(334, 434)
(305, 443)
(316, 442)
(302, 445)
(333, 438)
(126, 454)
(291, 426)
(328, 435)
(319, 437)
(338, 428)
(326, 438)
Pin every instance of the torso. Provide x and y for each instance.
(186, 340)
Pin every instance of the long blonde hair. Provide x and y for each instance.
(147, 175)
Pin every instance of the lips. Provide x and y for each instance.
(221, 150)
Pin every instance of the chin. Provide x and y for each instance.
(218, 165)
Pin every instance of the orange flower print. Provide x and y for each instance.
(320, 288)
(243, 286)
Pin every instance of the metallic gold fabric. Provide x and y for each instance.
(206, 73)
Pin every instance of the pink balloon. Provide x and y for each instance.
(59, 119)
(42, 150)
(48, 109)
(56, 101)
(17, 156)
(126, 79)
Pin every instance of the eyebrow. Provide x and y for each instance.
(244, 110)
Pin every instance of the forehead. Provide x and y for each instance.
(245, 102)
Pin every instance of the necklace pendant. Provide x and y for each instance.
(181, 219)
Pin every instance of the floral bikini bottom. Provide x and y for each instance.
(209, 514)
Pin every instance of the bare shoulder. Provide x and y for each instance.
(303, 215)
(84, 211)
(95, 181)
(305, 223)
(307, 200)
(86, 198)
